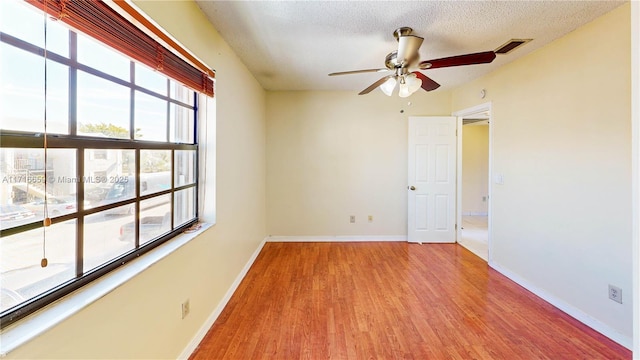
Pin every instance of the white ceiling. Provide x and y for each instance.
(293, 45)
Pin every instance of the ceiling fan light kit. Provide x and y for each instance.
(406, 57)
(407, 85)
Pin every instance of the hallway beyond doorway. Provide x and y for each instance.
(475, 235)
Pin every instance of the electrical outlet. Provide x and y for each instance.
(484, 199)
(186, 308)
(615, 294)
(352, 219)
(370, 218)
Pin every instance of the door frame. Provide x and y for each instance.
(460, 114)
(635, 170)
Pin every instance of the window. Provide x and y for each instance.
(120, 171)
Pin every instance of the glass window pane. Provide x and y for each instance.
(184, 206)
(22, 189)
(185, 172)
(155, 219)
(103, 107)
(25, 22)
(103, 58)
(180, 92)
(102, 237)
(22, 276)
(182, 124)
(155, 171)
(22, 92)
(109, 178)
(150, 118)
(151, 80)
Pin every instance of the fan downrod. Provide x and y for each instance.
(402, 31)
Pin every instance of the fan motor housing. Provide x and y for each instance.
(391, 61)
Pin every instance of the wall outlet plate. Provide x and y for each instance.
(615, 294)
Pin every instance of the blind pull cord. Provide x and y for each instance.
(47, 220)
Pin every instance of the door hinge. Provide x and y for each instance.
(456, 227)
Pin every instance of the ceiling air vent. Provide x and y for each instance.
(511, 45)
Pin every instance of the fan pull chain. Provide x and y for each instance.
(47, 220)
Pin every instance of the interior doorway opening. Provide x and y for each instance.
(474, 169)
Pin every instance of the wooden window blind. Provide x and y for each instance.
(100, 21)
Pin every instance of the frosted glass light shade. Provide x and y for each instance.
(413, 82)
(388, 86)
(403, 90)
(410, 85)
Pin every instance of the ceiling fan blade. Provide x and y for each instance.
(427, 83)
(358, 72)
(375, 85)
(468, 59)
(408, 48)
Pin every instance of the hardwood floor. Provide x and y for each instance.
(391, 300)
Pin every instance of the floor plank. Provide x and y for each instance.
(391, 300)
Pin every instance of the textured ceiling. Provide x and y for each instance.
(293, 45)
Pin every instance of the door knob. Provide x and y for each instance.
(411, 187)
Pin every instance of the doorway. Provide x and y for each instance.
(474, 169)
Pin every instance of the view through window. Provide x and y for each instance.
(120, 172)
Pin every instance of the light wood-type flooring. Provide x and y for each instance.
(391, 300)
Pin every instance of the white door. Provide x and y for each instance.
(432, 180)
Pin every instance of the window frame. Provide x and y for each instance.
(32, 140)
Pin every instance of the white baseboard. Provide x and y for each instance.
(337, 238)
(572, 311)
(193, 344)
(472, 213)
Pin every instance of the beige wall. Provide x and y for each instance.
(562, 139)
(475, 169)
(141, 319)
(335, 154)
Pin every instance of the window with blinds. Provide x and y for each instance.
(117, 111)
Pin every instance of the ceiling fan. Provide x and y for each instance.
(406, 57)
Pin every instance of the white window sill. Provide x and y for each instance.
(39, 322)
